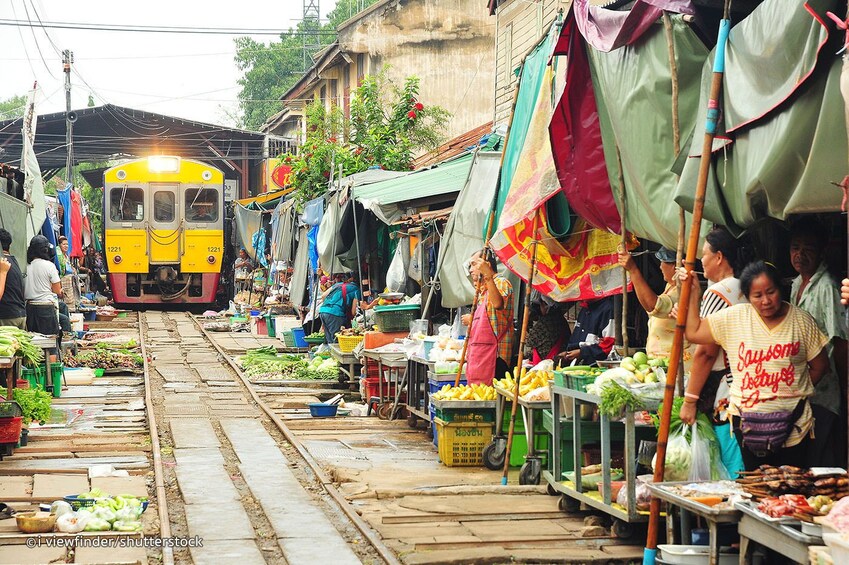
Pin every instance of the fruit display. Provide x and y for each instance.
(316, 335)
(389, 301)
(528, 382)
(642, 367)
(105, 359)
(351, 332)
(119, 513)
(465, 392)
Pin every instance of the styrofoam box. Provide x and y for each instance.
(839, 546)
(693, 555)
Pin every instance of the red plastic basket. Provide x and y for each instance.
(10, 429)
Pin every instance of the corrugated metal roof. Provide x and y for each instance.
(444, 178)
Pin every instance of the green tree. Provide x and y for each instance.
(13, 107)
(387, 128)
(268, 71)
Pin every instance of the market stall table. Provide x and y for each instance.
(417, 389)
(776, 535)
(394, 361)
(713, 515)
(348, 362)
(530, 472)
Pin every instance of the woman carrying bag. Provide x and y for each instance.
(776, 356)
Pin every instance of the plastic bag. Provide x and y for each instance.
(396, 277)
(678, 456)
(642, 495)
(458, 329)
(700, 460)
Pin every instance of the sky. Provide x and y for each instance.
(182, 75)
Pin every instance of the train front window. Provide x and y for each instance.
(163, 206)
(201, 205)
(126, 204)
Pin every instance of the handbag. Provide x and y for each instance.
(766, 432)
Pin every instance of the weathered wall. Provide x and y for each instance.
(520, 25)
(448, 44)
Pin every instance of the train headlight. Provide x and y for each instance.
(211, 259)
(117, 259)
(163, 164)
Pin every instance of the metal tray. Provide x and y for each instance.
(749, 508)
(729, 515)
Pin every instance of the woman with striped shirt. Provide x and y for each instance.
(776, 356)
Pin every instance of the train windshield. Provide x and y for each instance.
(126, 204)
(201, 205)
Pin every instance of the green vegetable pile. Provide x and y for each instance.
(15, 341)
(34, 403)
(264, 363)
(316, 335)
(101, 358)
(122, 347)
(119, 513)
(616, 399)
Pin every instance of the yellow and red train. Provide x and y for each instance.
(164, 231)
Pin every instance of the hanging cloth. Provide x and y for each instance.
(64, 197)
(76, 236)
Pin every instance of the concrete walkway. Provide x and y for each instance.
(201, 393)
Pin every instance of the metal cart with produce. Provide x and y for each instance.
(572, 492)
(495, 452)
(417, 390)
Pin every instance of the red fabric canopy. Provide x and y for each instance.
(576, 138)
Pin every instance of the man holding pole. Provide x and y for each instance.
(490, 341)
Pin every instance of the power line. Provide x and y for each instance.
(161, 29)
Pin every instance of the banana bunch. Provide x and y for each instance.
(465, 392)
(529, 381)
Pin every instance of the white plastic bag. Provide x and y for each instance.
(396, 277)
(678, 456)
(700, 469)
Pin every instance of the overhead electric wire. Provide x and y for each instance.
(163, 29)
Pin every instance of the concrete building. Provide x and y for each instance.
(448, 44)
(520, 24)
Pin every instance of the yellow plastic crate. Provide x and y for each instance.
(347, 343)
(461, 443)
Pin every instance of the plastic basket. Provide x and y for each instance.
(10, 429)
(269, 325)
(321, 410)
(76, 502)
(395, 318)
(347, 343)
(314, 340)
(579, 381)
(299, 336)
(452, 415)
(461, 443)
(288, 338)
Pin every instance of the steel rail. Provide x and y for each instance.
(161, 500)
(385, 553)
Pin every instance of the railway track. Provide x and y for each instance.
(225, 453)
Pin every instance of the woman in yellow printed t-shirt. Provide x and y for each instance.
(775, 351)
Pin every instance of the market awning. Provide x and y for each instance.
(265, 198)
(384, 198)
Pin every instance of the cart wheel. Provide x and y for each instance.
(412, 420)
(384, 411)
(551, 490)
(621, 529)
(530, 472)
(494, 453)
(568, 504)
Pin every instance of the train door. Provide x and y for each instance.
(164, 223)
(126, 249)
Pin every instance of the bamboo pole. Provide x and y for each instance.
(624, 205)
(650, 553)
(490, 225)
(676, 148)
(518, 372)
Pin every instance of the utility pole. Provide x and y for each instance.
(67, 60)
(311, 28)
